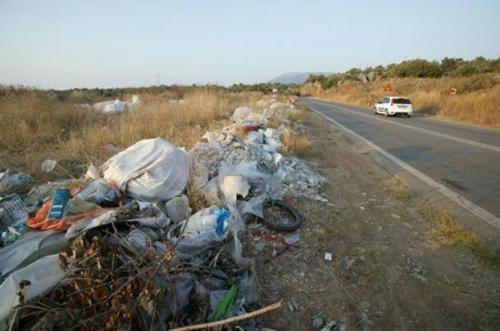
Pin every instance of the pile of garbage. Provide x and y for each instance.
(112, 106)
(121, 247)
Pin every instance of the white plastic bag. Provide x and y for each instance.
(108, 107)
(150, 170)
(205, 229)
(272, 139)
(48, 165)
(212, 220)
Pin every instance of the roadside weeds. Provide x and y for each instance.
(447, 229)
(398, 190)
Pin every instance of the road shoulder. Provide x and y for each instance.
(389, 270)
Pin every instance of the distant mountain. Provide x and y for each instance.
(294, 77)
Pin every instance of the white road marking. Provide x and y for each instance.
(459, 199)
(434, 133)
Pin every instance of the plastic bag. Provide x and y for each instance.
(213, 220)
(272, 139)
(178, 209)
(48, 165)
(150, 170)
(98, 192)
(12, 181)
(232, 186)
(29, 247)
(108, 107)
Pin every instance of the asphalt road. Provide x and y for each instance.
(464, 158)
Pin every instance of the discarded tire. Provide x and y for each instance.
(294, 223)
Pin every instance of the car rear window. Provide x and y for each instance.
(402, 101)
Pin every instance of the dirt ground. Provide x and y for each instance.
(387, 272)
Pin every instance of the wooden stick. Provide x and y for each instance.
(231, 319)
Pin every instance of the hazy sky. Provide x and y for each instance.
(61, 44)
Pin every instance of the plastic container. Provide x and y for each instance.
(59, 203)
(14, 210)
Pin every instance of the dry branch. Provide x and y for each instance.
(231, 319)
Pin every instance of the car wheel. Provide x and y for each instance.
(386, 113)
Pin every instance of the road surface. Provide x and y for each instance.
(463, 158)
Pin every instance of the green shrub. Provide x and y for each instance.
(417, 68)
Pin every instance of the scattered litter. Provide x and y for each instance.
(59, 203)
(318, 320)
(13, 214)
(13, 210)
(280, 216)
(211, 220)
(419, 271)
(92, 173)
(121, 241)
(329, 326)
(224, 306)
(48, 165)
(292, 239)
(178, 209)
(259, 245)
(347, 261)
(273, 238)
(293, 306)
(116, 106)
(396, 216)
(328, 256)
(99, 192)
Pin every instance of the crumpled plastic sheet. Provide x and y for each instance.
(187, 248)
(254, 206)
(157, 221)
(43, 274)
(89, 223)
(29, 247)
(178, 209)
(98, 192)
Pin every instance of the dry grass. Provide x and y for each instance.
(297, 116)
(476, 101)
(34, 127)
(447, 230)
(296, 144)
(197, 200)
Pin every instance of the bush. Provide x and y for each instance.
(449, 65)
(417, 68)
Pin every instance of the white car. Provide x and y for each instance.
(393, 106)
